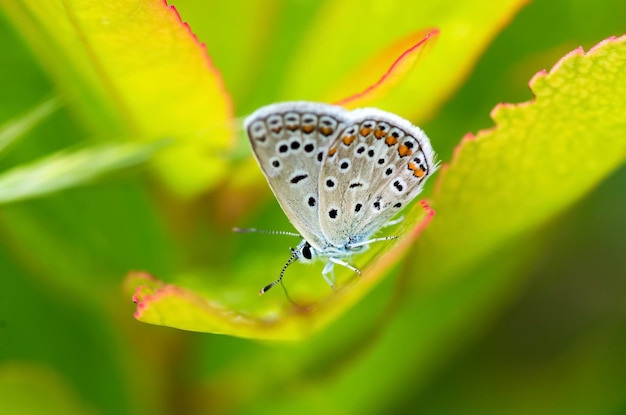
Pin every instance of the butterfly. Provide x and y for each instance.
(339, 175)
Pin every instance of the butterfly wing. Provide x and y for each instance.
(376, 166)
(289, 141)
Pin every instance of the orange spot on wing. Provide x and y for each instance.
(365, 131)
(326, 131)
(292, 127)
(348, 139)
(379, 133)
(417, 172)
(404, 151)
(391, 140)
(307, 128)
(277, 129)
(332, 151)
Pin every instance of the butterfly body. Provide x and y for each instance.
(338, 175)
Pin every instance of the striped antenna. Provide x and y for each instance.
(254, 230)
(294, 256)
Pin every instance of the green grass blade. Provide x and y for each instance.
(17, 128)
(68, 169)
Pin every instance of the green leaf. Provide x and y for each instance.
(173, 306)
(67, 169)
(332, 60)
(540, 158)
(15, 129)
(275, 320)
(19, 383)
(136, 70)
(345, 35)
(366, 84)
(483, 193)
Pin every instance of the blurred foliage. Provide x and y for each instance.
(63, 169)
(534, 324)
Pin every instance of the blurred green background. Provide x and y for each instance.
(549, 339)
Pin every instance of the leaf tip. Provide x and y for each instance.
(410, 48)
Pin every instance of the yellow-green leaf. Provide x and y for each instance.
(137, 70)
(347, 34)
(173, 306)
(541, 157)
(376, 78)
(34, 389)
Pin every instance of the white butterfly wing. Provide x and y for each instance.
(289, 141)
(375, 167)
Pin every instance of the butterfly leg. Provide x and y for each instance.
(345, 264)
(329, 274)
(393, 222)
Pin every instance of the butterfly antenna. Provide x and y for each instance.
(254, 230)
(294, 256)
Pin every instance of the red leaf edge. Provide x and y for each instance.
(579, 51)
(432, 33)
(207, 57)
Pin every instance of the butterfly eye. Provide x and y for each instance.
(306, 251)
